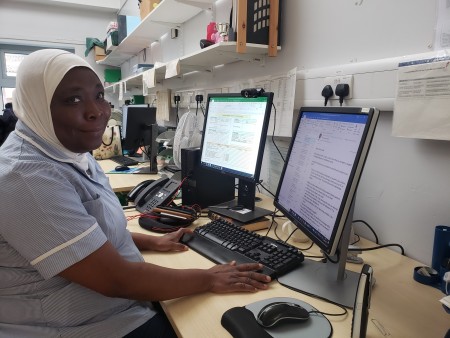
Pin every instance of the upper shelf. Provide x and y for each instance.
(168, 14)
(202, 60)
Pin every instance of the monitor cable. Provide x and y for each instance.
(370, 228)
(273, 132)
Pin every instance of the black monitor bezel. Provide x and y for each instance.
(137, 116)
(354, 178)
(255, 177)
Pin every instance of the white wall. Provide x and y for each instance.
(405, 187)
(56, 26)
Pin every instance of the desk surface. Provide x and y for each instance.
(400, 306)
(123, 182)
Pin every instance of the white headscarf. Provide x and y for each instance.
(37, 78)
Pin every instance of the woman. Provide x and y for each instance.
(68, 266)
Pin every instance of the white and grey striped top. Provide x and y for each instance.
(52, 216)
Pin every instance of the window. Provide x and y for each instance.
(10, 58)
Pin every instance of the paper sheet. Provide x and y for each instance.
(422, 106)
(283, 88)
(442, 32)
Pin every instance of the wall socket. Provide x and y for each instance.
(333, 81)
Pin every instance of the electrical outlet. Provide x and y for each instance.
(333, 81)
(186, 98)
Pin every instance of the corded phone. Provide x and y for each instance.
(149, 194)
(150, 197)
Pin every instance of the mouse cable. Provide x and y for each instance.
(344, 313)
(367, 225)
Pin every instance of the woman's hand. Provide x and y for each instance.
(243, 277)
(168, 242)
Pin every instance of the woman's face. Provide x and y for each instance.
(79, 111)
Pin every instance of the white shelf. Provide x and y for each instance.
(168, 14)
(204, 60)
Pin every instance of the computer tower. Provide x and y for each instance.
(203, 187)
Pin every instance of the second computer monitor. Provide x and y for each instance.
(317, 191)
(137, 121)
(234, 136)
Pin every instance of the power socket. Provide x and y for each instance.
(333, 81)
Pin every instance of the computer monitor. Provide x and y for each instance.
(136, 126)
(234, 135)
(316, 192)
(139, 130)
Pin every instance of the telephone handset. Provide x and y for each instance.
(156, 193)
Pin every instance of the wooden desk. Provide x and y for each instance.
(400, 306)
(124, 182)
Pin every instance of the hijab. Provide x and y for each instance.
(38, 76)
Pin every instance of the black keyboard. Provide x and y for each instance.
(124, 160)
(222, 242)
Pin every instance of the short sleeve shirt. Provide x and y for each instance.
(52, 216)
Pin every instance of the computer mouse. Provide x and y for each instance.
(278, 313)
(121, 168)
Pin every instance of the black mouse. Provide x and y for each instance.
(122, 168)
(277, 313)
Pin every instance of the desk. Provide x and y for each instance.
(124, 182)
(400, 306)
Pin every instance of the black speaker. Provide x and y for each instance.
(203, 187)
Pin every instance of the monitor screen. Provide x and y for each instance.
(136, 126)
(316, 192)
(322, 170)
(234, 134)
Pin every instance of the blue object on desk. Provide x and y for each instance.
(128, 171)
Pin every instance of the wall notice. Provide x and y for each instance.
(422, 105)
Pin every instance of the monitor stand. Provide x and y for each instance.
(152, 168)
(328, 280)
(243, 209)
(150, 153)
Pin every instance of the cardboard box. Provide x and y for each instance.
(146, 6)
(99, 53)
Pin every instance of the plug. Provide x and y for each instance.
(199, 98)
(176, 98)
(342, 90)
(327, 92)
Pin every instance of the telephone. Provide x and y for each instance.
(150, 194)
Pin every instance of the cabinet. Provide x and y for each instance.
(171, 13)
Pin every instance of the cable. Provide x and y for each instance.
(379, 247)
(327, 92)
(199, 100)
(273, 132)
(177, 99)
(371, 229)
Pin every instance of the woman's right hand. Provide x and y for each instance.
(243, 277)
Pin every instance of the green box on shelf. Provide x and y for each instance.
(113, 75)
(138, 99)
